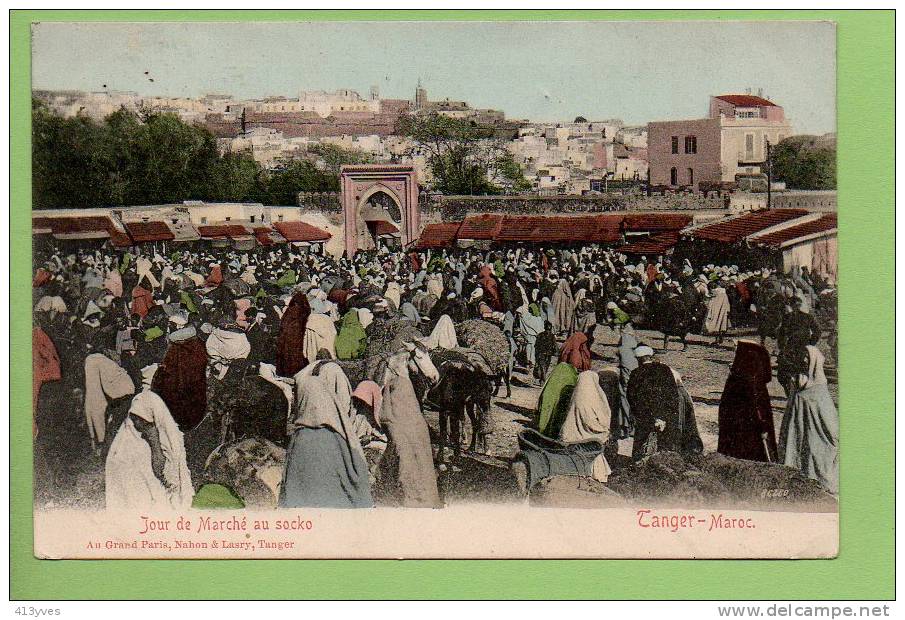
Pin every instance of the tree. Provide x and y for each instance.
(292, 176)
(133, 159)
(237, 177)
(464, 157)
(804, 163)
(334, 156)
(70, 166)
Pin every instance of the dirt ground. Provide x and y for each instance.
(704, 368)
(78, 479)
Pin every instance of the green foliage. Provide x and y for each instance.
(297, 175)
(334, 157)
(152, 158)
(464, 157)
(803, 163)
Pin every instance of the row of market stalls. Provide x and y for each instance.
(775, 238)
(485, 230)
(124, 235)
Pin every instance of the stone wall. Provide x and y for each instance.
(321, 201)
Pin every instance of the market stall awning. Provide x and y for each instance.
(301, 231)
(787, 236)
(655, 222)
(94, 227)
(735, 229)
(483, 227)
(439, 235)
(268, 236)
(224, 231)
(149, 232)
(655, 245)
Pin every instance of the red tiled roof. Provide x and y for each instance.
(655, 245)
(560, 229)
(441, 235)
(381, 227)
(101, 225)
(655, 222)
(301, 231)
(268, 236)
(821, 224)
(223, 231)
(145, 232)
(747, 101)
(480, 227)
(736, 229)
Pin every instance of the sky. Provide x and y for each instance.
(541, 71)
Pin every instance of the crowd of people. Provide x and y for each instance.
(167, 356)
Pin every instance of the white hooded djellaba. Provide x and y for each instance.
(130, 479)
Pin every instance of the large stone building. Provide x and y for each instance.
(731, 141)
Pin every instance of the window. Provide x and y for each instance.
(691, 176)
(279, 218)
(675, 145)
(673, 175)
(749, 145)
(252, 219)
(228, 219)
(691, 145)
(204, 220)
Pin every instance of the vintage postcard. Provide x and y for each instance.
(435, 290)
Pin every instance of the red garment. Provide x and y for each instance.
(339, 297)
(575, 351)
(142, 301)
(651, 272)
(491, 288)
(291, 339)
(745, 411)
(415, 262)
(45, 367)
(42, 277)
(544, 262)
(216, 277)
(744, 293)
(181, 381)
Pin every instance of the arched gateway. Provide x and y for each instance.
(375, 193)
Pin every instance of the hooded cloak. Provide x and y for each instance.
(562, 308)
(575, 351)
(104, 379)
(745, 411)
(325, 465)
(352, 339)
(130, 481)
(555, 398)
(809, 437)
(291, 338)
(181, 381)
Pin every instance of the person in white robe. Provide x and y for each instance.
(146, 466)
(588, 419)
(104, 379)
(443, 336)
(320, 334)
(717, 321)
(809, 436)
(223, 347)
(143, 269)
(393, 294)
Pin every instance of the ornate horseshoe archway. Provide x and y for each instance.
(360, 184)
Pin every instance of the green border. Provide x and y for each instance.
(865, 566)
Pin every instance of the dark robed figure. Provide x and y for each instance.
(746, 417)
